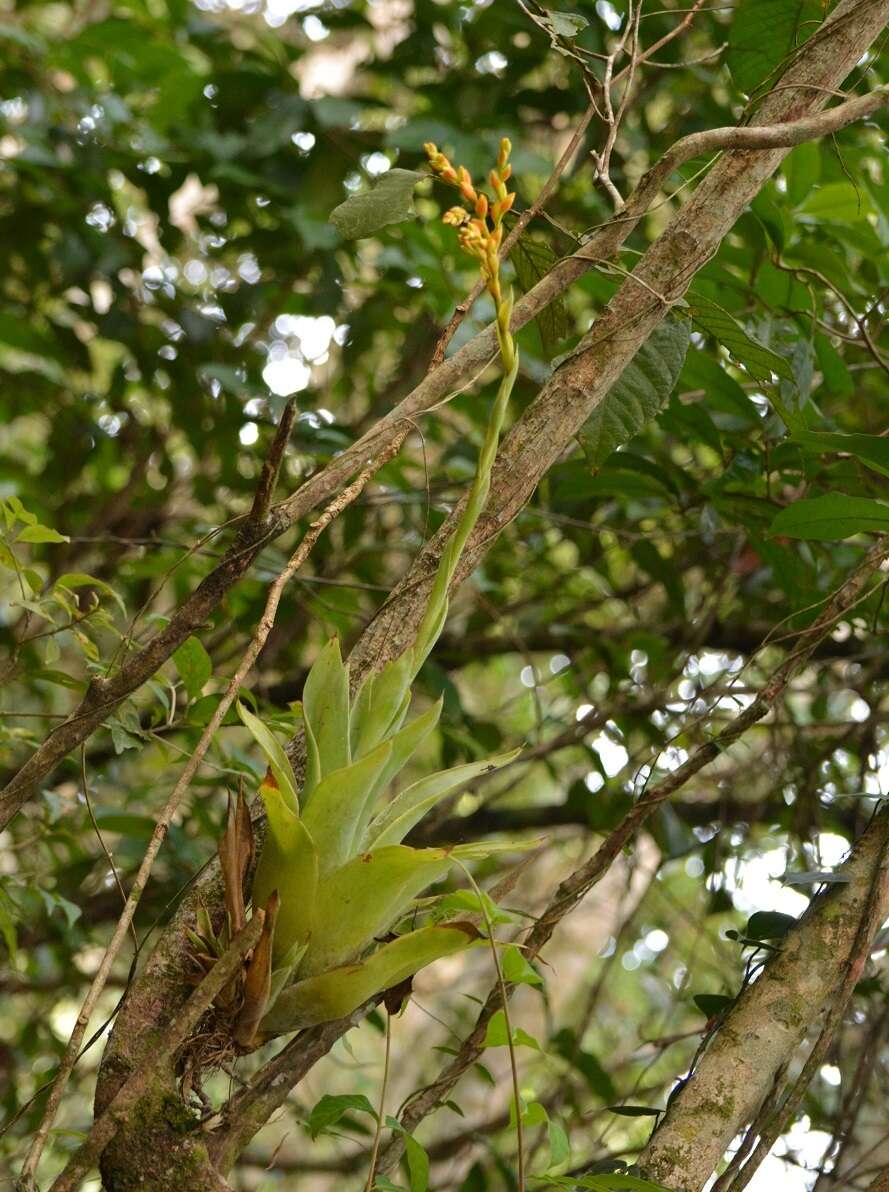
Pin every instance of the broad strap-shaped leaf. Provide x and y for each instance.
(277, 759)
(639, 393)
(387, 202)
(288, 863)
(408, 808)
(404, 743)
(326, 716)
(381, 702)
(336, 810)
(364, 898)
(833, 516)
(764, 33)
(339, 991)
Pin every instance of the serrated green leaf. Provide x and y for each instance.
(387, 202)
(833, 516)
(760, 361)
(764, 33)
(639, 393)
(533, 258)
(194, 666)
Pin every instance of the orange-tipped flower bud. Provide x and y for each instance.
(455, 217)
(506, 173)
(506, 204)
(481, 205)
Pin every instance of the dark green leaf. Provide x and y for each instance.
(711, 1004)
(638, 395)
(872, 450)
(761, 362)
(764, 34)
(194, 666)
(330, 1109)
(824, 519)
(768, 925)
(533, 258)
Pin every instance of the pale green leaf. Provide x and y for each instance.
(326, 716)
(339, 991)
(288, 863)
(408, 808)
(274, 754)
(387, 202)
(336, 811)
(380, 703)
(496, 1034)
(38, 533)
(364, 898)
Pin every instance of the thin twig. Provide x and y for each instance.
(378, 1132)
(578, 884)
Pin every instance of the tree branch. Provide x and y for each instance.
(179, 1030)
(104, 695)
(578, 884)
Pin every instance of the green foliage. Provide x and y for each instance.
(388, 202)
(764, 35)
(170, 271)
(642, 390)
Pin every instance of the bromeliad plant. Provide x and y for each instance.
(334, 878)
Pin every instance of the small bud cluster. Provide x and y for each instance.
(481, 230)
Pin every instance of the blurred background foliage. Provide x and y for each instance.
(168, 276)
